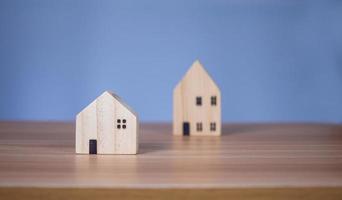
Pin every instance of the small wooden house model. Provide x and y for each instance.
(107, 126)
(197, 104)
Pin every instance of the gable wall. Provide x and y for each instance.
(99, 121)
(196, 83)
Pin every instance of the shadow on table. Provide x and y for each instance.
(232, 129)
(148, 147)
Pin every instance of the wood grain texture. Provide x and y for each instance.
(197, 83)
(172, 194)
(99, 121)
(36, 154)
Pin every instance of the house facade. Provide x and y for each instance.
(197, 104)
(107, 126)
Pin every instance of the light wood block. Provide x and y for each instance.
(197, 104)
(107, 126)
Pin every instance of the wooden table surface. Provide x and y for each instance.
(37, 154)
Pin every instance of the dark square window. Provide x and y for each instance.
(121, 123)
(213, 100)
(212, 126)
(199, 101)
(199, 127)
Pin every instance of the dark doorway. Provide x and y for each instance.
(186, 128)
(92, 147)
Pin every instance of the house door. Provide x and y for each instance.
(186, 128)
(92, 146)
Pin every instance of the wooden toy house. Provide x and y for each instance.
(107, 126)
(197, 104)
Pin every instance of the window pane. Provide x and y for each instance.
(198, 101)
(199, 126)
(213, 126)
(213, 100)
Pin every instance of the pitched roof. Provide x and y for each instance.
(197, 66)
(115, 96)
(121, 101)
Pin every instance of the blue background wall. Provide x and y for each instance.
(274, 60)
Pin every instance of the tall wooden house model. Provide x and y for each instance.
(197, 104)
(107, 126)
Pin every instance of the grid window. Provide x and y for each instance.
(213, 100)
(199, 101)
(212, 126)
(199, 127)
(121, 124)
